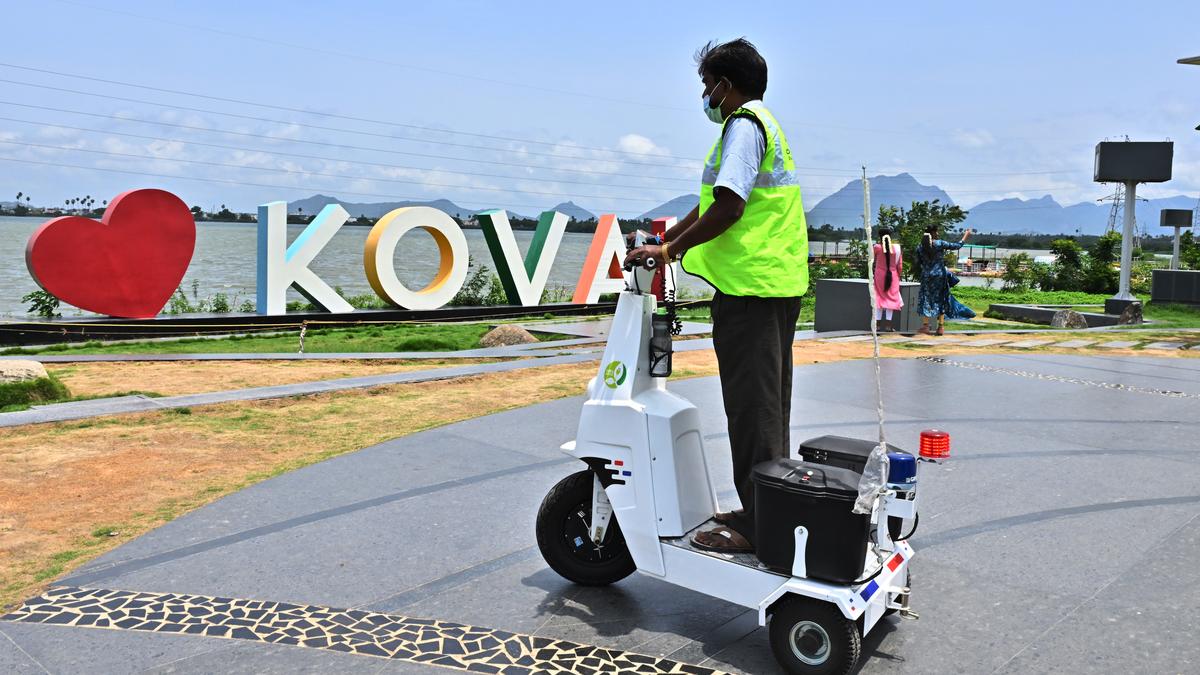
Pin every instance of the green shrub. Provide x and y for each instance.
(1016, 272)
(481, 289)
(42, 303)
(1189, 251)
(41, 390)
(833, 269)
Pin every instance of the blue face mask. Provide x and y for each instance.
(714, 112)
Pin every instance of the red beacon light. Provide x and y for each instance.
(935, 445)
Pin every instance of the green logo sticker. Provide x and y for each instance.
(614, 374)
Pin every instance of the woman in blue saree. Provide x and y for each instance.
(934, 298)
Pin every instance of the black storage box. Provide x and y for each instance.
(789, 493)
(847, 453)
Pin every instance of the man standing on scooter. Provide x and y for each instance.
(748, 239)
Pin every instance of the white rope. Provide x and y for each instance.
(874, 476)
(874, 301)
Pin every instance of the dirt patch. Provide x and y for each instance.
(171, 378)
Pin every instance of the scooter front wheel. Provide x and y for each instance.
(563, 535)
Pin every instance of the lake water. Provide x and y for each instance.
(224, 261)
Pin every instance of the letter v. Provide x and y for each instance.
(523, 282)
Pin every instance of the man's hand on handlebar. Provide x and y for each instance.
(640, 255)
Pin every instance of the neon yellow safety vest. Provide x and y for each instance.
(765, 253)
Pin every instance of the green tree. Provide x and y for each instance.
(1100, 275)
(910, 224)
(1017, 272)
(1068, 265)
(1189, 251)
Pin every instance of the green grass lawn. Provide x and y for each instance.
(979, 299)
(459, 336)
(1162, 315)
(366, 339)
(1170, 316)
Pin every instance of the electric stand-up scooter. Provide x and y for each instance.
(647, 490)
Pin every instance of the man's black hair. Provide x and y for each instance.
(736, 60)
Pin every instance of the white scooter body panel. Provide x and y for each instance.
(683, 493)
(627, 415)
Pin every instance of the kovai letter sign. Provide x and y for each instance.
(281, 266)
(129, 262)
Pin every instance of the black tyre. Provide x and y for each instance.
(812, 637)
(563, 528)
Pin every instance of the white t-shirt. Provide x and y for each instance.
(741, 154)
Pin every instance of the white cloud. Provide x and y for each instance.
(637, 144)
(972, 138)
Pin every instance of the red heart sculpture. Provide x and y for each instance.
(127, 264)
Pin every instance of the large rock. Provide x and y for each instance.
(1068, 318)
(507, 334)
(1131, 315)
(19, 371)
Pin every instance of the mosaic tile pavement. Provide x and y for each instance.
(426, 641)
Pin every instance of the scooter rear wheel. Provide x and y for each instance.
(563, 526)
(812, 637)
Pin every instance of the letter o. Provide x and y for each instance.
(381, 247)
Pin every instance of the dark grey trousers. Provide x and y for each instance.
(753, 340)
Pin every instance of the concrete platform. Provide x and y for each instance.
(1060, 538)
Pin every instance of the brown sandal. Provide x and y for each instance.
(727, 517)
(722, 540)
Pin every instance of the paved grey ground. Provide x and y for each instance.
(1061, 537)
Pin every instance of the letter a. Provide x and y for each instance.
(280, 267)
(604, 255)
(523, 281)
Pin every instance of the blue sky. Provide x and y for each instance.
(593, 102)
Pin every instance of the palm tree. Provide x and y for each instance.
(19, 195)
(105, 202)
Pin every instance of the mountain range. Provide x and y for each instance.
(1043, 215)
(843, 209)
